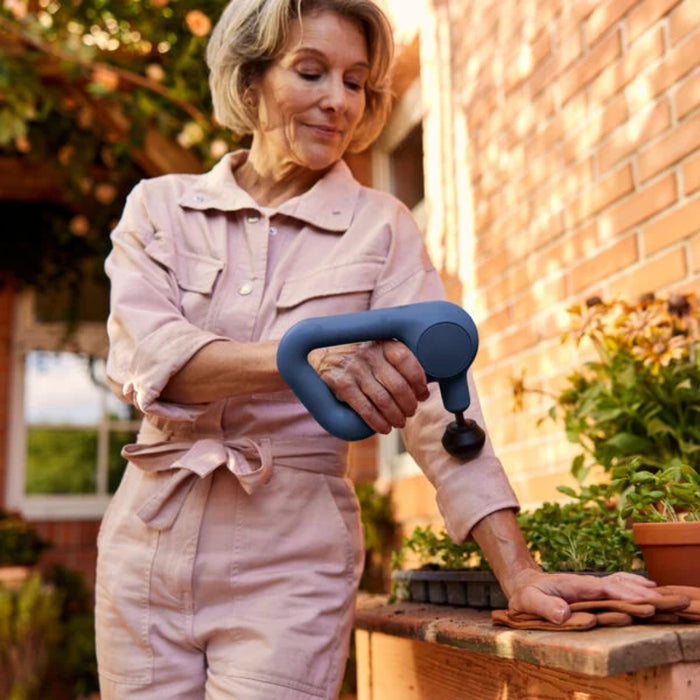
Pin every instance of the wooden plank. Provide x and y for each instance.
(364, 667)
(415, 670)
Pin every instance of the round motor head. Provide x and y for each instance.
(464, 441)
(445, 350)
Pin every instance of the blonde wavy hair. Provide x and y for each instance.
(249, 36)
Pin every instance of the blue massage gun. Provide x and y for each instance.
(440, 334)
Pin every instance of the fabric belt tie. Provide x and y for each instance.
(189, 461)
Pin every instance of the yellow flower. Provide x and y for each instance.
(660, 349)
(590, 321)
(643, 322)
(18, 8)
(105, 192)
(79, 226)
(198, 23)
(106, 78)
(518, 392)
(155, 72)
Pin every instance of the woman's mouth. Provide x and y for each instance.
(327, 132)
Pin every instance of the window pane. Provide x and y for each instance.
(61, 461)
(68, 411)
(65, 388)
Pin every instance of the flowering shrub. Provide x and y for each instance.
(85, 87)
(635, 408)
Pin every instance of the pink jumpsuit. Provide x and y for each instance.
(230, 555)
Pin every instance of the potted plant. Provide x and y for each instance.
(634, 409)
(20, 548)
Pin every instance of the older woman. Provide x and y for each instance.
(230, 555)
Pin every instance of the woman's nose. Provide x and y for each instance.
(335, 95)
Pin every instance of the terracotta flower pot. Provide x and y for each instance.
(671, 551)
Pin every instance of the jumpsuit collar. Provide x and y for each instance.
(329, 205)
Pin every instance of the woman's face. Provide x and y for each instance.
(311, 99)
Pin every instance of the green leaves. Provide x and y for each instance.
(636, 409)
(579, 536)
(81, 85)
(433, 549)
(585, 535)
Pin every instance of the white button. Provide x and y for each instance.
(245, 289)
(252, 218)
(272, 230)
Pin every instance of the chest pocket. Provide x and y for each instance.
(336, 290)
(195, 276)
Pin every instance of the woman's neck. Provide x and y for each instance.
(271, 184)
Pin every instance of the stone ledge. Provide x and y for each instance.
(598, 652)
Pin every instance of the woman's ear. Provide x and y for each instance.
(250, 94)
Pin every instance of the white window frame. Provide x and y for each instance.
(409, 111)
(89, 338)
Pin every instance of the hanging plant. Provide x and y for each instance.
(96, 95)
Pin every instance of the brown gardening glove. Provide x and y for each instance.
(673, 606)
(691, 613)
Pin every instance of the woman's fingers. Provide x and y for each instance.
(532, 599)
(382, 381)
(407, 366)
(549, 595)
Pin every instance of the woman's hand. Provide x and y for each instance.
(549, 595)
(530, 590)
(381, 380)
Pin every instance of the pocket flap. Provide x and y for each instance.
(344, 279)
(193, 273)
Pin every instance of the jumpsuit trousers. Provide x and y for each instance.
(228, 569)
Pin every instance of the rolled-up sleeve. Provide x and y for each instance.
(149, 338)
(465, 491)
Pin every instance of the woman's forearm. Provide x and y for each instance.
(502, 542)
(226, 368)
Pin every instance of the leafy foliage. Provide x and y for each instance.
(20, 543)
(29, 627)
(64, 460)
(579, 536)
(438, 550)
(47, 647)
(73, 667)
(83, 87)
(634, 409)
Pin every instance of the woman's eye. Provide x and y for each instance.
(309, 76)
(353, 85)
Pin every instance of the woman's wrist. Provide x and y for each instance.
(502, 543)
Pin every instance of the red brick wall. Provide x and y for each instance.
(584, 152)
